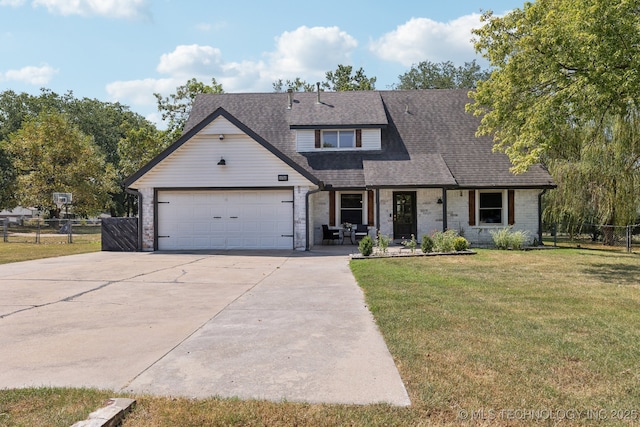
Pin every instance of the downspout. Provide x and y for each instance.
(307, 216)
(139, 196)
(377, 224)
(540, 216)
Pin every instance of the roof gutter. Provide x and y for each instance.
(139, 196)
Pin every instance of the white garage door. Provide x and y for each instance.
(247, 219)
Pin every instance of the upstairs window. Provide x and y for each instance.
(338, 139)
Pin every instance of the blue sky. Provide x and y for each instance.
(125, 50)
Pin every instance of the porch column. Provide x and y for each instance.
(444, 210)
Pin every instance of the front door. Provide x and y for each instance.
(404, 214)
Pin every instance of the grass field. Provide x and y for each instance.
(22, 246)
(494, 338)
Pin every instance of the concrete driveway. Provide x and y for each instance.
(264, 325)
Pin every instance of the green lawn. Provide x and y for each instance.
(23, 248)
(504, 336)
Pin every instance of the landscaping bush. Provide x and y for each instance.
(366, 246)
(506, 238)
(443, 241)
(460, 244)
(410, 244)
(427, 244)
(382, 243)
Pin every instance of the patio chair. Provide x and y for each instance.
(361, 231)
(328, 234)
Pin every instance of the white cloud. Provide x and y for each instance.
(128, 9)
(190, 61)
(310, 52)
(306, 52)
(422, 39)
(140, 92)
(30, 75)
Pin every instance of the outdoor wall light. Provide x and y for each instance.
(439, 200)
(222, 162)
(221, 137)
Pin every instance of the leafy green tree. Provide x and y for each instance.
(343, 79)
(101, 120)
(298, 85)
(557, 64)
(597, 182)
(50, 154)
(444, 75)
(176, 107)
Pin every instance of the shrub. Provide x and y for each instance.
(443, 241)
(427, 244)
(382, 243)
(366, 246)
(460, 244)
(506, 238)
(411, 244)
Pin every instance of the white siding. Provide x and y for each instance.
(305, 141)
(194, 164)
(221, 126)
(371, 139)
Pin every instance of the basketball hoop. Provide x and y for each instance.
(62, 199)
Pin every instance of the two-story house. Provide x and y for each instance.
(267, 170)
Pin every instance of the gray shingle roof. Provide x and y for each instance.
(427, 137)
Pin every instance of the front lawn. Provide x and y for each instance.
(554, 330)
(498, 337)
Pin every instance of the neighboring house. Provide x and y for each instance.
(267, 170)
(18, 214)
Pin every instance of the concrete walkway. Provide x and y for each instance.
(264, 325)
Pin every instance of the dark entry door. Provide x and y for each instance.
(404, 214)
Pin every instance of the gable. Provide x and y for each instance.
(192, 162)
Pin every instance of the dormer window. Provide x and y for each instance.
(333, 139)
(338, 139)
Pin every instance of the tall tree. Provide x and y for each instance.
(556, 64)
(50, 154)
(597, 182)
(343, 79)
(176, 107)
(101, 120)
(443, 75)
(297, 85)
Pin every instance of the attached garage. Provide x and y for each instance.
(224, 219)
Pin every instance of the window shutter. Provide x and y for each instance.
(511, 197)
(358, 138)
(318, 139)
(472, 207)
(370, 220)
(332, 207)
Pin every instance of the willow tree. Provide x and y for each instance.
(598, 182)
(556, 63)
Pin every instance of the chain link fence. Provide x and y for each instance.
(47, 231)
(625, 238)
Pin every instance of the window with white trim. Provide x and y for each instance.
(490, 207)
(338, 139)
